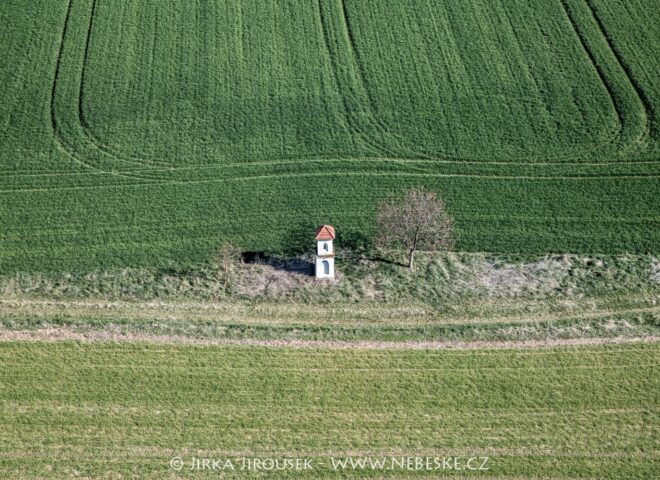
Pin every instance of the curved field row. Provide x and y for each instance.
(145, 133)
(624, 97)
(68, 131)
(351, 84)
(631, 127)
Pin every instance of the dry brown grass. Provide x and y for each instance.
(63, 334)
(507, 279)
(655, 270)
(283, 313)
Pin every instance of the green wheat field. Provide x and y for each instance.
(127, 410)
(146, 132)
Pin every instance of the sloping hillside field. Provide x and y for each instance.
(147, 132)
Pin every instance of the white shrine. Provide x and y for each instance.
(325, 252)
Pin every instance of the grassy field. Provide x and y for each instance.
(451, 297)
(111, 409)
(136, 133)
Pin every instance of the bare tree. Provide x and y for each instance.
(418, 221)
(228, 256)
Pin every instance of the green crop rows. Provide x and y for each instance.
(143, 133)
(123, 410)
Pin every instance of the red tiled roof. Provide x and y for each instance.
(325, 232)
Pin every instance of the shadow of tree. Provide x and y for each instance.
(388, 261)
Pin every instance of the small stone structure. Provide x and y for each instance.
(325, 252)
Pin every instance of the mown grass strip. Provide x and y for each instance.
(111, 409)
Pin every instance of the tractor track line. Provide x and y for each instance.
(145, 174)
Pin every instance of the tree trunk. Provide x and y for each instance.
(411, 256)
